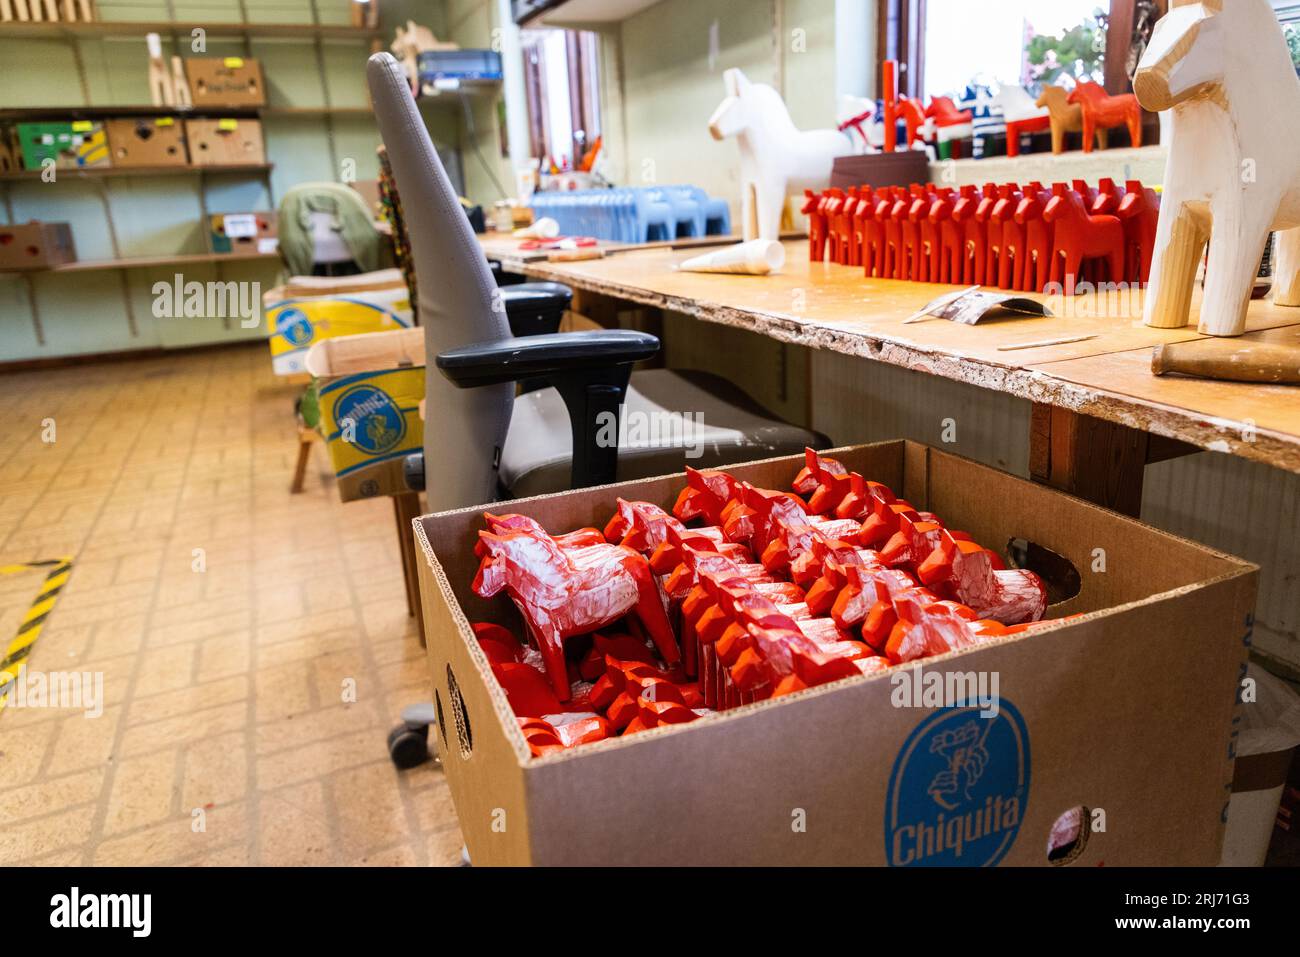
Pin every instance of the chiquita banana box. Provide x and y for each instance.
(297, 319)
(370, 417)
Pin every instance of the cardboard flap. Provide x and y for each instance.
(368, 352)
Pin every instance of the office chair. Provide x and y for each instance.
(487, 441)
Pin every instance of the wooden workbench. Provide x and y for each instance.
(1099, 414)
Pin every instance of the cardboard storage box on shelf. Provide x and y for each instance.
(310, 308)
(1127, 709)
(8, 151)
(370, 389)
(71, 144)
(36, 245)
(225, 142)
(242, 233)
(225, 81)
(147, 141)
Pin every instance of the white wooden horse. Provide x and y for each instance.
(1233, 172)
(776, 158)
(857, 118)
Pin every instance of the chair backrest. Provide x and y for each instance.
(464, 429)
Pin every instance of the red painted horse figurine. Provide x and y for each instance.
(562, 592)
(1101, 111)
(1080, 236)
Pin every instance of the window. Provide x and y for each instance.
(1288, 12)
(1023, 42)
(562, 80)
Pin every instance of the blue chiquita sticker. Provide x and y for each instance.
(958, 790)
(378, 423)
(294, 325)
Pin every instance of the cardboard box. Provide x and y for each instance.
(242, 233)
(225, 142)
(311, 308)
(71, 144)
(147, 141)
(1127, 709)
(225, 81)
(36, 245)
(8, 152)
(370, 388)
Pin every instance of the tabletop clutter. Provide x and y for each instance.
(740, 594)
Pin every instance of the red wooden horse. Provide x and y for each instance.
(565, 592)
(1038, 237)
(926, 262)
(992, 237)
(1012, 254)
(1078, 235)
(1139, 211)
(812, 208)
(1101, 111)
(861, 216)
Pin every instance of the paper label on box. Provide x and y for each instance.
(240, 225)
(227, 126)
(959, 787)
(234, 62)
(82, 126)
(164, 121)
(268, 245)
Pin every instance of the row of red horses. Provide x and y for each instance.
(1005, 236)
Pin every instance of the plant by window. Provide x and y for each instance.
(1077, 54)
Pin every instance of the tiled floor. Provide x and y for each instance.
(230, 620)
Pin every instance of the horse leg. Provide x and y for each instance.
(1180, 241)
(1103, 138)
(749, 211)
(1135, 126)
(1089, 130)
(1286, 268)
(650, 611)
(551, 645)
(1058, 135)
(771, 197)
(1236, 247)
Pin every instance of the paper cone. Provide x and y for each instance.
(544, 228)
(758, 257)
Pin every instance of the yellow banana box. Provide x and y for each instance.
(370, 417)
(297, 322)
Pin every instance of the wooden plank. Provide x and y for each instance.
(1088, 457)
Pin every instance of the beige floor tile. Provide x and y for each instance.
(142, 792)
(295, 827)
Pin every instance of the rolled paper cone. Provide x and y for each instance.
(544, 228)
(758, 257)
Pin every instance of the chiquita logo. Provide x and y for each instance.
(958, 790)
(377, 422)
(294, 325)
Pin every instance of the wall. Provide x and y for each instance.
(109, 310)
(669, 84)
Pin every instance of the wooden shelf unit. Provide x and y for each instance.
(98, 172)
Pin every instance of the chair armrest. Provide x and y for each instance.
(535, 308)
(553, 356)
(590, 371)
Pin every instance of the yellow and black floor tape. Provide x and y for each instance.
(20, 646)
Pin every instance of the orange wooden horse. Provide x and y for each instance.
(1101, 111)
